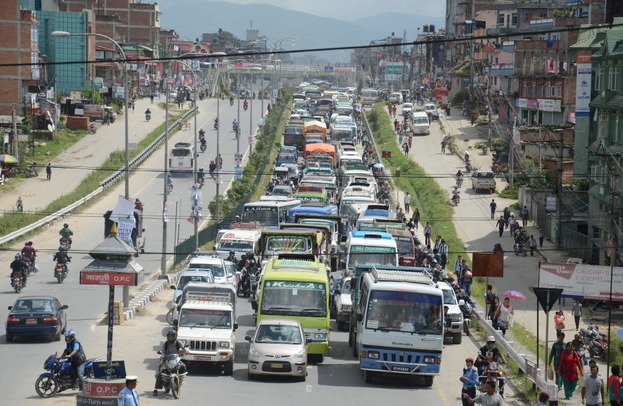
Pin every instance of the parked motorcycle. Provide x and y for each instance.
(60, 376)
(93, 128)
(17, 282)
(172, 374)
(60, 272)
(595, 342)
(31, 171)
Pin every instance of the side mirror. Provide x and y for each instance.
(461, 302)
(248, 338)
(64, 307)
(308, 340)
(235, 326)
(254, 305)
(172, 287)
(159, 352)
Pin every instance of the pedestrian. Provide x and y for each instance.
(493, 205)
(554, 356)
(500, 225)
(559, 321)
(407, 201)
(493, 311)
(467, 280)
(128, 396)
(577, 313)
(532, 244)
(569, 368)
(524, 215)
(507, 215)
(593, 388)
(489, 299)
(416, 217)
(541, 238)
(512, 223)
(405, 147)
(48, 171)
(543, 399)
(394, 110)
(503, 315)
(443, 252)
(409, 140)
(428, 231)
(614, 386)
(489, 398)
(443, 146)
(470, 380)
(151, 98)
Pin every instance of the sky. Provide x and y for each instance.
(353, 9)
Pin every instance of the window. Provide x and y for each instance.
(547, 89)
(557, 90)
(613, 78)
(514, 19)
(599, 78)
(501, 19)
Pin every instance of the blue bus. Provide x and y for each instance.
(327, 210)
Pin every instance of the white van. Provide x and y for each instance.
(419, 123)
(395, 97)
(241, 241)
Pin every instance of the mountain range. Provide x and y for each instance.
(191, 18)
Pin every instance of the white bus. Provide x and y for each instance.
(182, 157)
(268, 213)
(369, 96)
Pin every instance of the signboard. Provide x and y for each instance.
(589, 281)
(238, 157)
(547, 297)
(550, 203)
(250, 139)
(100, 370)
(488, 264)
(108, 278)
(238, 172)
(549, 105)
(584, 71)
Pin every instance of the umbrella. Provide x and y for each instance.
(513, 294)
(8, 159)
(378, 166)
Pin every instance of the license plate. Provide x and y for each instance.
(276, 366)
(31, 321)
(202, 358)
(401, 369)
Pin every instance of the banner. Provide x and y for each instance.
(589, 281)
(584, 71)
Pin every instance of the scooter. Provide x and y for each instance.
(93, 128)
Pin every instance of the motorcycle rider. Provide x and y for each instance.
(487, 354)
(202, 134)
(232, 258)
(459, 177)
(212, 168)
(245, 104)
(171, 346)
(235, 124)
(231, 100)
(147, 114)
(169, 181)
(66, 233)
(74, 352)
(19, 266)
(29, 253)
(61, 256)
(201, 176)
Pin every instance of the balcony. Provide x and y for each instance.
(502, 69)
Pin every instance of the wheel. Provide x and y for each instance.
(9, 337)
(175, 386)
(341, 325)
(457, 338)
(46, 386)
(368, 376)
(302, 378)
(228, 368)
(428, 381)
(59, 277)
(169, 316)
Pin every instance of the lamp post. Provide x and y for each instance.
(126, 289)
(125, 98)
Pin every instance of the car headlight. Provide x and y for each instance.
(253, 353)
(223, 344)
(300, 355)
(320, 336)
(373, 354)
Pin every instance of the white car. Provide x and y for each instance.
(190, 275)
(343, 304)
(406, 108)
(454, 326)
(278, 347)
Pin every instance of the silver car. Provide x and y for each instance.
(279, 347)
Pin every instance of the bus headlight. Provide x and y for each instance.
(373, 354)
(430, 360)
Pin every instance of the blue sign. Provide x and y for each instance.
(100, 369)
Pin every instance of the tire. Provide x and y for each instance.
(46, 386)
(9, 337)
(457, 338)
(428, 381)
(228, 368)
(175, 386)
(169, 317)
(368, 376)
(59, 277)
(318, 358)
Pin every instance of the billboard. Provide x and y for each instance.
(589, 281)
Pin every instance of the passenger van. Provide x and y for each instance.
(419, 123)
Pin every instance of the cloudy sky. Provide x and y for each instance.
(353, 9)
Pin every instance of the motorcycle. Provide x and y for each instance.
(456, 196)
(31, 171)
(244, 287)
(484, 150)
(60, 272)
(31, 266)
(172, 374)
(147, 116)
(468, 166)
(245, 106)
(60, 376)
(93, 128)
(595, 342)
(203, 146)
(231, 101)
(169, 188)
(200, 181)
(459, 181)
(492, 372)
(17, 282)
(520, 248)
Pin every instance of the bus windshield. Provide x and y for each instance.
(181, 152)
(404, 311)
(264, 215)
(294, 298)
(370, 255)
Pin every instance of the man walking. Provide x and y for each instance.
(48, 171)
(493, 205)
(407, 202)
(532, 244)
(593, 388)
(428, 231)
(524, 215)
(577, 313)
(554, 356)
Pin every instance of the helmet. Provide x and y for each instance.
(61, 248)
(171, 335)
(28, 243)
(65, 225)
(490, 339)
(18, 256)
(70, 335)
(200, 169)
(232, 253)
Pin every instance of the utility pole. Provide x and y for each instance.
(559, 191)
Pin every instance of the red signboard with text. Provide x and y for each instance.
(108, 278)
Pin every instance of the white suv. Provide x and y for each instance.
(454, 326)
(211, 262)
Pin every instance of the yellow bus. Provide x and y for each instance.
(297, 287)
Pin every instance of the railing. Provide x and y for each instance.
(52, 218)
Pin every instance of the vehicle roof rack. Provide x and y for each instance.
(395, 274)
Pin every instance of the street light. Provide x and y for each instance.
(126, 289)
(125, 99)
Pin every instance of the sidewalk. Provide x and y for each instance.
(476, 229)
(71, 167)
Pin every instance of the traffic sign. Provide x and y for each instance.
(238, 157)
(250, 139)
(238, 172)
(547, 297)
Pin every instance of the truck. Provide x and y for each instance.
(397, 322)
(206, 325)
(483, 180)
(96, 112)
